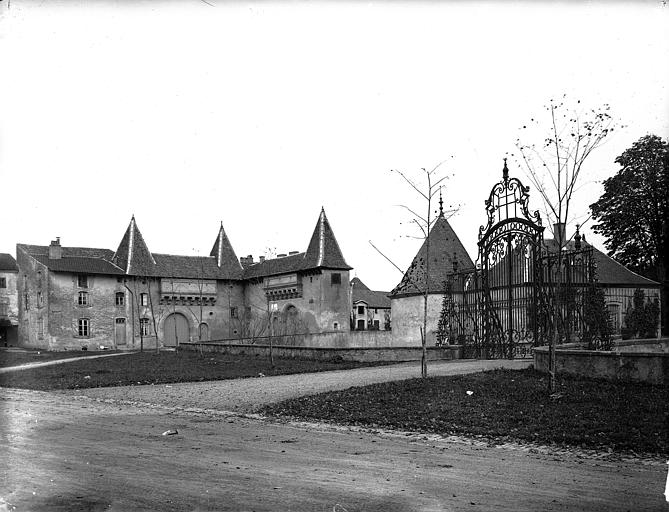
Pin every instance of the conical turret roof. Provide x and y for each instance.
(133, 255)
(445, 248)
(323, 249)
(226, 259)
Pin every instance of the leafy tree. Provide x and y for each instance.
(642, 316)
(633, 211)
(554, 149)
(597, 331)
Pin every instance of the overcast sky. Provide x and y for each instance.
(256, 114)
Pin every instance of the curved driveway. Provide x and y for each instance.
(249, 395)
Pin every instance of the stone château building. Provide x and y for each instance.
(9, 311)
(76, 297)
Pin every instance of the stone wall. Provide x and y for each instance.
(33, 316)
(398, 354)
(648, 367)
(407, 318)
(334, 339)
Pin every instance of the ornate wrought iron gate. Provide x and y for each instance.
(520, 290)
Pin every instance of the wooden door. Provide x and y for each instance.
(175, 330)
(120, 332)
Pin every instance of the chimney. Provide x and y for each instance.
(560, 232)
(55, 250)
(246, 261)
(291, 253)
(261, 259)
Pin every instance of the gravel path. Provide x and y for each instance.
(249, 395)
(27, 366)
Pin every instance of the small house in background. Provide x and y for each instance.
(371, 309)
(446, 255)
(9, 309)
(618, 282)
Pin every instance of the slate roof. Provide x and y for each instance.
(79, 265)
(374, 299)
(323, 252)
(74, 252)
(445, 247)
(190, 267)
(275, 266)
(7, 263)
(609, 271)
(225, 256)
(133, 255)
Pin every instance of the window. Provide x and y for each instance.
(336, 326)
(3, 282)
(40, 328)
(335, 278)
(83, 299)
(377, 325)
(233, 312)
(143, 299)
(84, 327)
(82, 281)
(120, 298)
(144, 327)
(40, 299)
(361, 310)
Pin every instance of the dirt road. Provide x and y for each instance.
(248, 395)
(63, 452)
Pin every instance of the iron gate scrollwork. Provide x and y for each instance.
(507, 304)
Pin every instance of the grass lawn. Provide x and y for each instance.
(504, 405)
(161, 368)
(15, 358)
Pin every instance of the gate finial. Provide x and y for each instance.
(505, 172)
(441, 204)
(577, 238)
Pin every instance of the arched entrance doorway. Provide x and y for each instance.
(175, 330)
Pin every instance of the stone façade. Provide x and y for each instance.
(71, 298)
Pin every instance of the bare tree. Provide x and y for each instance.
(567, 135)
(432, 184)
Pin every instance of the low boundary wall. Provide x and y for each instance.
(648, 367)
(359, 354)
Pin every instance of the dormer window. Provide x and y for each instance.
(82, 281)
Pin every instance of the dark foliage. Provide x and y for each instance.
(641, 319)
(597, 328)
(633, 211)
(504, 405)
(160, 368)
